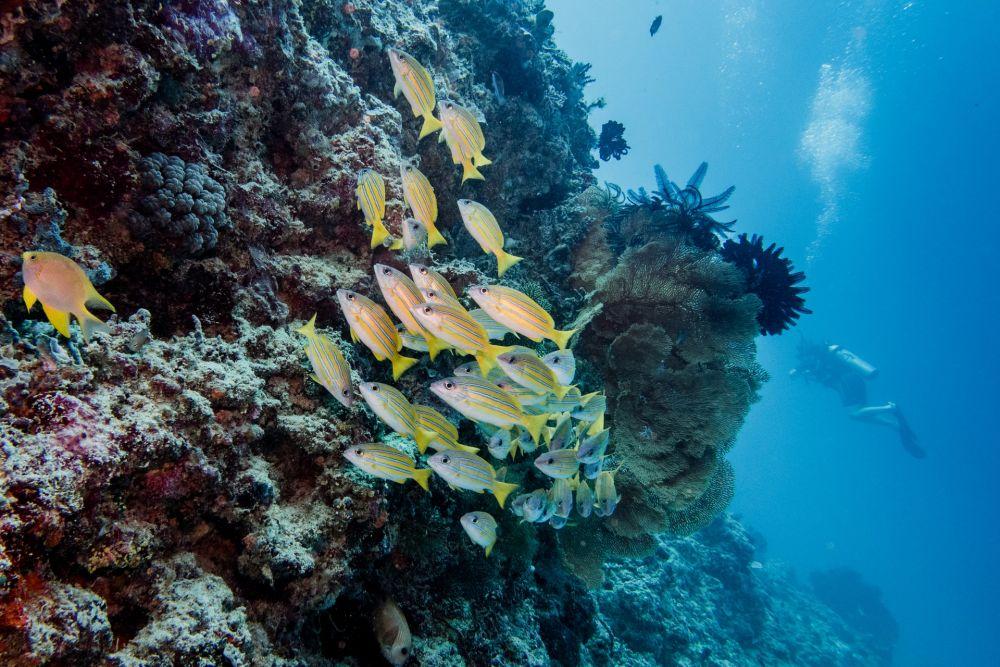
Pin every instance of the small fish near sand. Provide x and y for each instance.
(393, 633)
(63, 289)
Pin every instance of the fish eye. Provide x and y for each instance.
(347, 392)
(423, 271)
(445, 459)
(404, 651)
(551, 461)
(387, 271)
(484, 290)
(428, 310)
(350, 297)
(409, 168)
(475, 519)
(449, 385)
(449, 105)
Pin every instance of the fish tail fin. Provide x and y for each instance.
(501, 490)
(95, 299)
(534, 424)
(431, 124)
(487, 357)
(561, 391)
(309, 328)
(422, 477)
(482, 160)
(397, 244)
(379, 233)
(89, 324)
(469, 171)
(434, 236)
(467, 448)
(505, 260)
(400, 365)
(489, 549)
(597, 426)
(29, 297)
(423, 439)
(561, 338)
(435, 346)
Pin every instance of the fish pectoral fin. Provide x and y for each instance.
(396, 90)
(29, 297)
(95, 299)
(315, 378)
(489, 549)
(355, 339)
(58, 319)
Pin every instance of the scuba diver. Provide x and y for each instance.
(846, 373)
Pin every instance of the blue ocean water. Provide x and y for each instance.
(861, 136)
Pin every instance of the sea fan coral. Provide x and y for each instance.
(772, 278)
(612, 143)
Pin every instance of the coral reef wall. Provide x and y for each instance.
(174, 492)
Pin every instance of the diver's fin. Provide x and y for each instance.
(309, 328)
(469, 171)
(29, 297)
(422, 477)
(58, 319)
(505, 260)
(501, 490)
(431, 124)
(434, 237)
(400, 365)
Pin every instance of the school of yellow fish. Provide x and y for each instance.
(521, 401)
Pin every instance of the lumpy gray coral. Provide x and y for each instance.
(174, 492)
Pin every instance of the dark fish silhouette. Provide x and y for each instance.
(656, 25)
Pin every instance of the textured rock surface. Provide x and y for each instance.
(174, 493)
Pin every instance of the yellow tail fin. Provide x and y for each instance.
(561, 338)
(422, 477)
(487, 357)
(423, 439)
(309, 328)
(534, 424)
(501, 490)
(397, 244)
(400, 365)
(561, 392)
(469, 171)
(431, 124)
(435, 346)
(466, 448)
(379, 233)
(505, 260)
(597, 426)
(481, 160)
(434, 237)
(547, 434)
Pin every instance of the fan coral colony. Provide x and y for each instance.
(202, 478)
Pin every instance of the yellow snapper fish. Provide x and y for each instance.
(419, 196)
(393, 634)
(445, 433)
(560, 437)
(386, 462)
(558, 464)
(485, 229)
(519, 312)
(591, 411)
(398, 413)
(414, 233)
(434, 296)
(330, 369)
(461, 130)
(472, 368)
(484, 402)
(527, 370)
(584, 498)
(568, 403)
(402, 295)
(592, 449)
(465, 470)
(563, 364)
(63, 289)
(371, 202)
(605, 495)
(455, 326)
(561, 496)
(481, 529)
(370, 324)
(427, 278)
(494, 329)
(525, 397)
(417, 87)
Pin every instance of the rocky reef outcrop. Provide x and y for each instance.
(174, 492)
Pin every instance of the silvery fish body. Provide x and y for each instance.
(562, 435)
(592, 470)
(481, 529)
(592, 449)
(561, 496)
(605, 495)
(560, 464)
(563, 364)
(584, 499)
(500, 444)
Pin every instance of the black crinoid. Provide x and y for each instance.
(671, 209)
(612, 143)
(772, 278)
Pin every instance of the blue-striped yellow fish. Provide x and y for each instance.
(606, 497)
(591, 411)
(485, 229)
(434, 296)
(445, 433)
(561, 495)
(398, 413)
(455, 326)
(370, 324)
(417, 87)
(558, 464)
(593, 447)
(414, 233)
(371, 202)
(465, 470)
(584, 498)
(461, 130)
(482, 401)
(402, 295)
(330, 369)
(561, 437)
(494, 329)
(563, 364)
(519, 312)
(427, 278)
(419, 196)
(526, 369)
(386, 462)
(481, 529)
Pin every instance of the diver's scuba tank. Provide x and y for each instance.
(853, 361)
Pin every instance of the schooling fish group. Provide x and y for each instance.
(517, 398)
